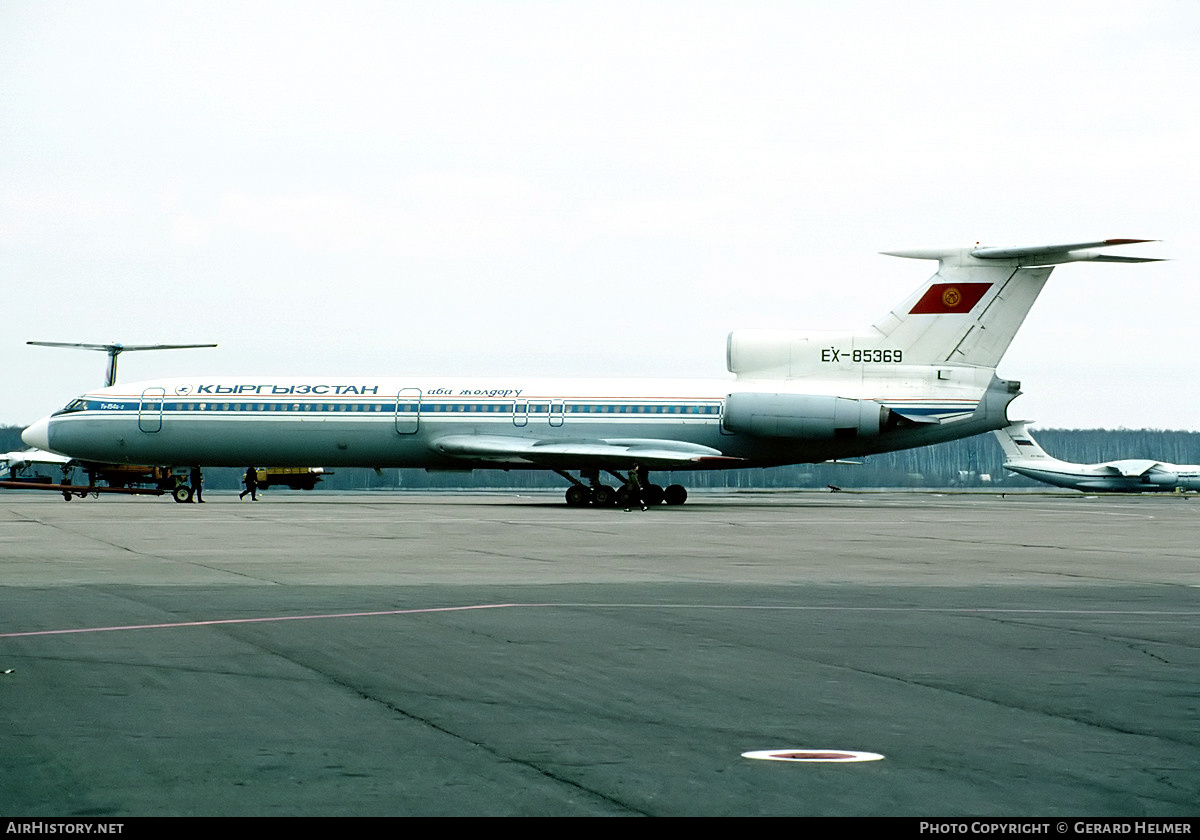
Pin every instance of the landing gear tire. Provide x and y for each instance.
(182, 493)
(676, 494)
(653, 494)
(578, 496)
(604, 496)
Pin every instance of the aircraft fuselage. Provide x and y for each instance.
(405, 422)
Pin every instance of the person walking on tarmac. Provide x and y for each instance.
(197, 481)
(251, 482)
(634, 487)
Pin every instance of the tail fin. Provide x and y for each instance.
(970, 310)
(1018, 444)
(966, 314)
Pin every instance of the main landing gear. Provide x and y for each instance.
(599, 494)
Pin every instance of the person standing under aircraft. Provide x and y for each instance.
(197, 480)
(251, 482)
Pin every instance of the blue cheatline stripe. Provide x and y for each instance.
(532, 408)
(424, 407)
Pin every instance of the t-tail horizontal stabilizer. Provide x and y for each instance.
(1057, 254)
(113, 350)
(970, 310)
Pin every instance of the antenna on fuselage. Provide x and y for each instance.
(114, 350)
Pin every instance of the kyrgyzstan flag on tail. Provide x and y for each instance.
(945, 298)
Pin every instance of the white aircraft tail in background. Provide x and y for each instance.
(1018, 444)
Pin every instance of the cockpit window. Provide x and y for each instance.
(75, 405)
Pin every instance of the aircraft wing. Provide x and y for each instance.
(33, 456)
(1130, 468)
(568, 454)
(10, 462)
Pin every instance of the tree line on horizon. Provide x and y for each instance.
(974, 462)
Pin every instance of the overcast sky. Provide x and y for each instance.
(599, 189)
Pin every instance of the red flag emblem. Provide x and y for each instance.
(943, 298)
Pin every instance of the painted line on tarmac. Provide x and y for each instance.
(470, 607)
(814, 756)
(255, 620)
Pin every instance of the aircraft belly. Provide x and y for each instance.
(1112, 485)
(235, 442)
(288, 443)
(332, 441)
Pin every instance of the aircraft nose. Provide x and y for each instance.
(38, 435)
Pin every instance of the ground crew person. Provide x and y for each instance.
(634, 486)
(251, 482)
(197, 483)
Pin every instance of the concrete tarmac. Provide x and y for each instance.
(403, 654)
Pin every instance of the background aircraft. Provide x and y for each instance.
(17, 466)
(1023, 455)
(113, 350)
(924, 374)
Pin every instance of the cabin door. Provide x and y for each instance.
(150, 410)
(408, 410)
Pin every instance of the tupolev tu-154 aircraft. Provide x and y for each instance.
(925, 373)
(1023, 455)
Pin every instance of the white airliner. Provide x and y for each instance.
(924, 374)
(1023, 455)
